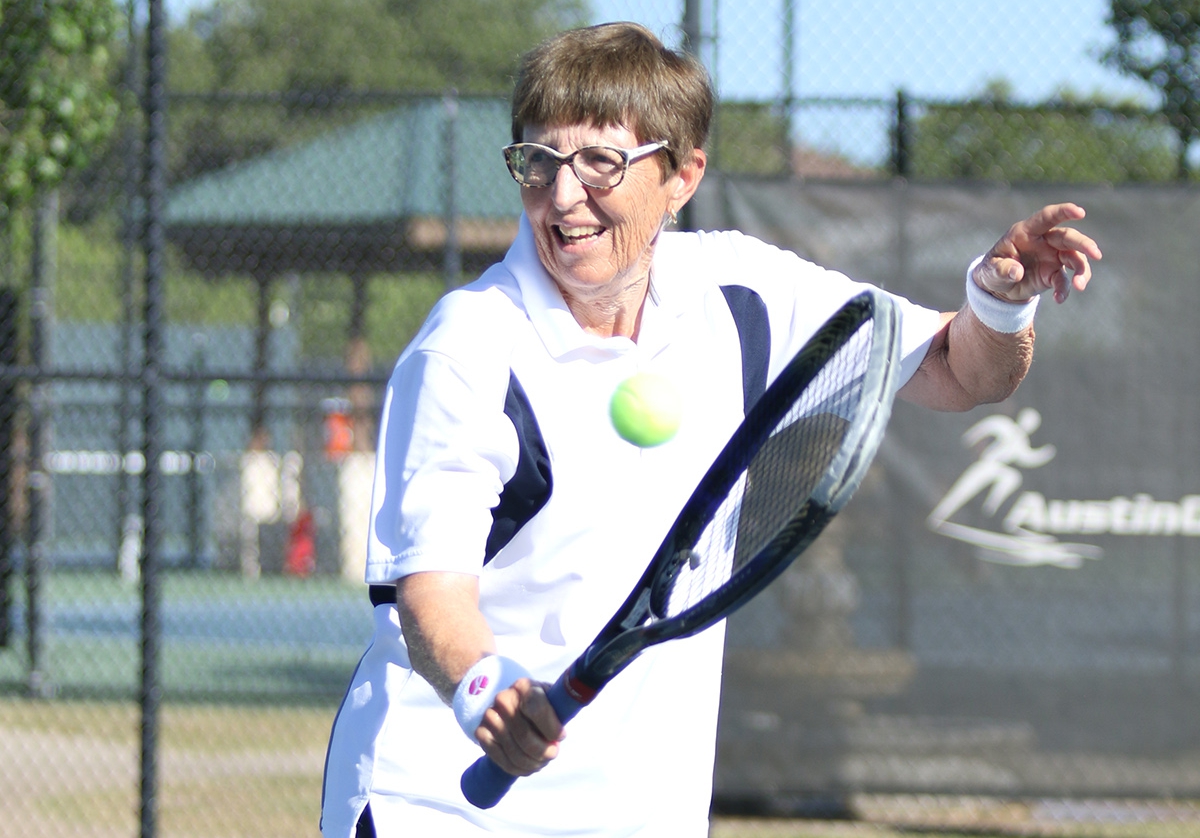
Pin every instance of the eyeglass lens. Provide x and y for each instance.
(597, 166)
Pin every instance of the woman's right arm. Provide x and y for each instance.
(443, 629)
(446, 635)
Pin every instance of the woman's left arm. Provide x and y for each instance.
(982, 352)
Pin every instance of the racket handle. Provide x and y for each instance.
(566, 706)
(485, 783)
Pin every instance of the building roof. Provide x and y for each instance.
(373, 195)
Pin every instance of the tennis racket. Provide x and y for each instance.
(791, 465)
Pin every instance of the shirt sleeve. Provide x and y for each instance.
(800, 296)
(445, 450)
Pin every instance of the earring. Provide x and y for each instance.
(672, 218)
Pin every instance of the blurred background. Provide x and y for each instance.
(222, 220)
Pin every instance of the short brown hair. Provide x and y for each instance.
(616, 74)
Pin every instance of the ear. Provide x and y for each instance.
(688, 178)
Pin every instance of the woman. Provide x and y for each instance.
(509, 519)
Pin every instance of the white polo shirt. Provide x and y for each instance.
(639, 759)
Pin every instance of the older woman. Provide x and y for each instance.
(508, 517)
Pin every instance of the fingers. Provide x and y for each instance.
(1004, 271)
(1075, 272)
(1074, 268)
(1060, 282)
(1044, 227)
(521, 731)
(1039, 254)
(1051, 216)
(1043, 221)
(1070, 239)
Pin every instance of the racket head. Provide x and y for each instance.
(792, 464)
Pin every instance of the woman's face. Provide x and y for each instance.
(597, 244)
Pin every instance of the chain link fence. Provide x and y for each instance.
(311, 211)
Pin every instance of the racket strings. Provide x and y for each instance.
(762, 504)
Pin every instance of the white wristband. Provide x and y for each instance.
(996, 314)
(479, 687)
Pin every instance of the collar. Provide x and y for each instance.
(561, 333)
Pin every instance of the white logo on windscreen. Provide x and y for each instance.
(1029, 531)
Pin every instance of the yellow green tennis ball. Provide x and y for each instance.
(646, 409)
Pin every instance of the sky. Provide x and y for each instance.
(931, 48)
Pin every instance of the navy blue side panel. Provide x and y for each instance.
(523, 495)
(529, 488)
(754, 333)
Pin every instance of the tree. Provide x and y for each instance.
(1067, 139)
(339, 45)
(57, 103)
(1158, 41)
(317, 56)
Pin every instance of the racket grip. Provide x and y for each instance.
(485, 783)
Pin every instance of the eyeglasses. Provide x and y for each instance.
(598, 166)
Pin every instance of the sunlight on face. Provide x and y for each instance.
(597, 244)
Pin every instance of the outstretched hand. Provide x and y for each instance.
(1039, 254)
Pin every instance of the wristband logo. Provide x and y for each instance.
(1028, 533)
(478, 684)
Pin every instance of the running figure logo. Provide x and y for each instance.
(998, 473)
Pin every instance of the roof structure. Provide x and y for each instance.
(373, 196)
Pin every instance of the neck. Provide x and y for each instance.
(606, 315)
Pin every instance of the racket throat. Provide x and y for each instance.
(580, 692)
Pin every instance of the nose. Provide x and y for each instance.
(567, 188)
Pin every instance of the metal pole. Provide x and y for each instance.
(691, 26)
(692, 29)
(195, 478)
(259, 441)
(152, 353)
(452, 266)
(8, 420)
(127, 520)
(43, 268)
(789, 76)
(789, 53)
(900, 150)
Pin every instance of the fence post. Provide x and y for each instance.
(128, 515)
(900, 138)
(691, 43)
(154, 243)
(8, 411)
(452, 255)
(41, 310)
(195, 482)
(259, 438)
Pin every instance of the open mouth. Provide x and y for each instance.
(577, 235)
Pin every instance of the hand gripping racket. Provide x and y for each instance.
(790, 466)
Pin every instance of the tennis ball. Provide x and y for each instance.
(646, 410)
(218, 390)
